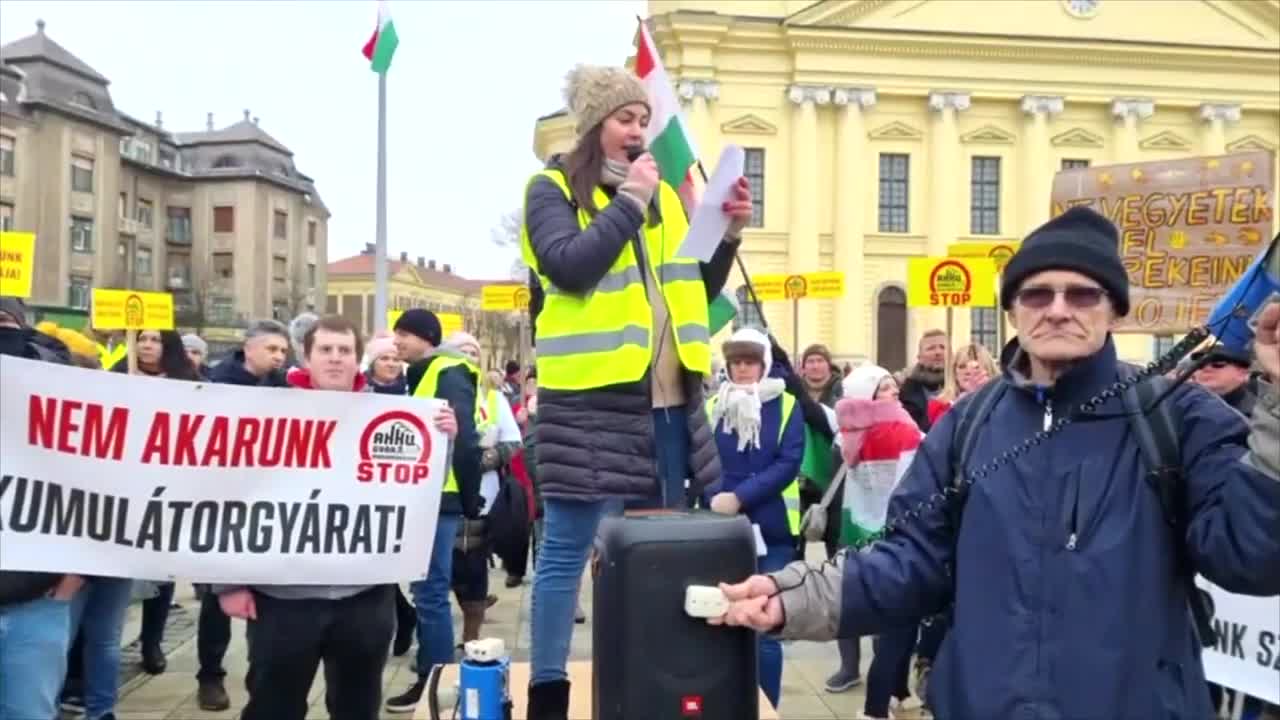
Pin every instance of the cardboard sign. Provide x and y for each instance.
(1188, 229)
(504, 297)
(951, 282)
(814, 286)
(131, 310)
(17, 259)
(999, 252)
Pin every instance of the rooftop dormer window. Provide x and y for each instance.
(226, 161)
(83, 99)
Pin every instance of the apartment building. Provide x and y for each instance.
(222, 217)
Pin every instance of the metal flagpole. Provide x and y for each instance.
(380, 241)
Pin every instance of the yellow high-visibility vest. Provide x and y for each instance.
(606, 336)
(427, 389)
(487, 414)
(791, 493)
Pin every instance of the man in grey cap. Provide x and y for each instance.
(198, 350)
(1225, 373)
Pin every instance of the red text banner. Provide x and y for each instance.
(109, 474)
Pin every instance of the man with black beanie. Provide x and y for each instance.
(446, 374)
(1064, 544)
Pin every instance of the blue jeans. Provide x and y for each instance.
(431, 599)
(34, 636)
(569, 527)
(98, 613)
(775, 558)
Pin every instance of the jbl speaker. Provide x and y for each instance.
(651, 660)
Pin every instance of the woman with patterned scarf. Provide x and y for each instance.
(759, 433)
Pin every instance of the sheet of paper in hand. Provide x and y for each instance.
(709, 223)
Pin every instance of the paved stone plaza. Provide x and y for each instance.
(171, 696)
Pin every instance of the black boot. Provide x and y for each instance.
(549, 701)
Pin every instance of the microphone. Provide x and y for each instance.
(634, 151)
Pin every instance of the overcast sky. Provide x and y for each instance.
(465, 86)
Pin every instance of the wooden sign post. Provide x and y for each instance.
(131, 311)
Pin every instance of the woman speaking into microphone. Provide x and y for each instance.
(622, 347)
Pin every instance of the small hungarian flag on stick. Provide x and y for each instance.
(669, 138)
(721, 312)
(382, 44)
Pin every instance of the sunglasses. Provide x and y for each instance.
(1077, 296)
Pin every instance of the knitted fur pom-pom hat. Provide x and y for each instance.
(593, 92)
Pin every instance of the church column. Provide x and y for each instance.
(1213, 133)
(945, 177)
(851, 335)
(802, 249)
(944, 173)
(1037, 170)
(1128, 112)
(698, 94)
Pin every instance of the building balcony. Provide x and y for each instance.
(178, 281)
(81, 263)
(222, 317)
(177, 236)
(221, 286)
(82, 203)
(127, 226)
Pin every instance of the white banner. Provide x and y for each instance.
(1247, 653)
(138, 477)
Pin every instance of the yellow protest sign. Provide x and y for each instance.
(812, 286)
(131, 310)
(999, 252)
(450, 323)
(504, 297)
(951, 282)
(392, 317)
(17, 258)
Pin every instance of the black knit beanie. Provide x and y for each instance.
(1079, 239)
(422, 323)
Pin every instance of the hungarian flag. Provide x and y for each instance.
(669, 138)
(382, 44)
(887, 452)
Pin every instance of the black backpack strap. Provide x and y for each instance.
(965, 436)
(1157, 427)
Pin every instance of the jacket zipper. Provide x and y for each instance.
(1073, 537)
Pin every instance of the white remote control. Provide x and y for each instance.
(703, 601)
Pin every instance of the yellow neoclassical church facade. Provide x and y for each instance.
(881, 130)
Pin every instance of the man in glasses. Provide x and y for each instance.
(1225, 373)
(1069, 587)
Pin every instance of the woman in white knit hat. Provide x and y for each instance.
(622, 343)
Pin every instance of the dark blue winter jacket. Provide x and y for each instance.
(1057, 630)
(758, 475)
